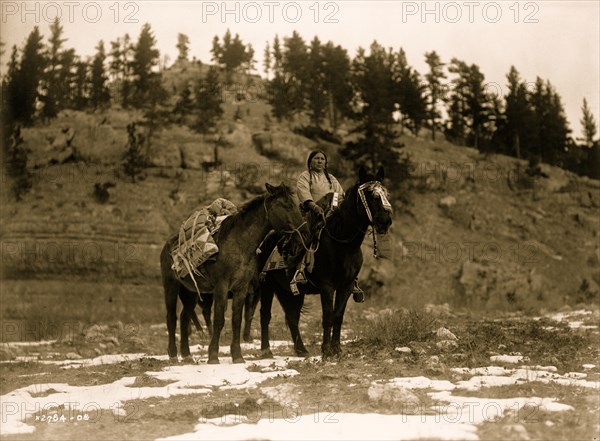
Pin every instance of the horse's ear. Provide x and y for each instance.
(362, 174)
(380, 174)
(269, 188)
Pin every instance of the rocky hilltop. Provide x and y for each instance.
(473, 230)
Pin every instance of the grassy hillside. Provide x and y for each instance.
(473, 231)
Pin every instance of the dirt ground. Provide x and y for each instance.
(434, 374)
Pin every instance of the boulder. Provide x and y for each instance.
(195, 154)
(447, 202)
(388, 393)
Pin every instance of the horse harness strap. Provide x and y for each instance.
(380, 191)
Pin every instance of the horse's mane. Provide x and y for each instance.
(345, 210)
(250, 207)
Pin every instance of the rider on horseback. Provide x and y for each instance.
(311, 186)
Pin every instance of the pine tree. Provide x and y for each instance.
(17, 159)
(316, 94)
(471, 107)
(147, 88)
(28, 77)
(80, 88)
(208, 101)
(337, 82)
(99, 94)
(550, 127)
(434, 86)
(10, 92)
(588, 124)
(52, 77)
(267, 60)
(232, 54)
(376, 91)
(413, 102)
(514, 132)
(183, 47)
(134, 158)
(277, 56)
(185, 104)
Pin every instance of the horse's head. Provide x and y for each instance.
(282, 211)
(373, 197)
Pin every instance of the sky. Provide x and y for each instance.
(556, 40)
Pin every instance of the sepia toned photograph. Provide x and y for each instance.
(300, 220)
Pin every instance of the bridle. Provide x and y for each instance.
(290, 232)
(377, 189)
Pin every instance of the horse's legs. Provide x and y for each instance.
(327, 307)
(249, 309)
(189, 300)
(206, 302)
(266, 301)
(239, 298)
(341, 300)
(171, 287)
(220, 306)
(292, 317)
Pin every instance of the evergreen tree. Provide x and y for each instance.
(208, 101)
(588, 124)
(185, 104)
(68, 72)
(513, 136)
(10, 92)
(28, 77)
(134, 158)
(337, 82)
(471, 106)
(267, 60)
(80, 94)
(410, 93)
(294, 66)
(277, 56)
(147, 88)
(232, 54)
(316, 93)
(17, 159)
(375, 90)
(99, 94)
(183, 47)
(434, 86)
(121, 69)
(278, 97)
(551, 130)
(53, 76)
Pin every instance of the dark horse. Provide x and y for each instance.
(231, 272)
(338, 260)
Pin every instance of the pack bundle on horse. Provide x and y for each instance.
(337, 262)
(231, 271)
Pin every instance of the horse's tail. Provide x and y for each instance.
(192, 315)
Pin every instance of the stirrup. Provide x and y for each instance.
(299, 277)
(358, 294)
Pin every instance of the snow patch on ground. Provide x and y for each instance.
(19, 404)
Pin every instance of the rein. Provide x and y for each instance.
(290, 232)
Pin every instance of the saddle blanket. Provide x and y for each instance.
(275, 261)
(196, 243)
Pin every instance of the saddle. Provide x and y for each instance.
(196, 243)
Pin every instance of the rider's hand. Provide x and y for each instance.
(318, 210)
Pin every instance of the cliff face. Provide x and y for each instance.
(478, 231)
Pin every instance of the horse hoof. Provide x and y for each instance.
(266, 353)
(213, 361)
(188, 359)
(239, 360)
(173, 359)
(302, 353)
